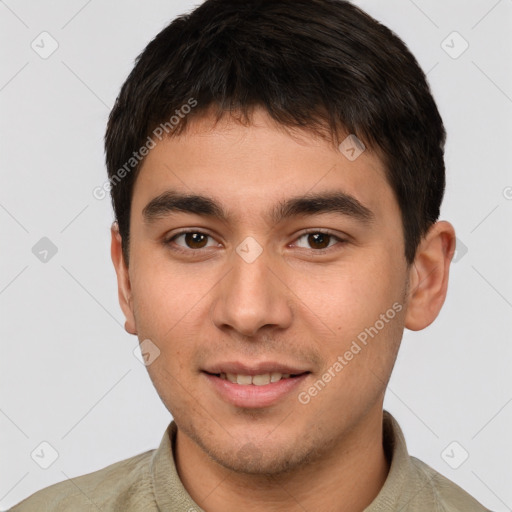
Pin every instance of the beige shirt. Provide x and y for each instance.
(150, 482)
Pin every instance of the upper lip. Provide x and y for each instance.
(240, 368)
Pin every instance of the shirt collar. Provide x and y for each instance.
(171, 495)
(389, 497)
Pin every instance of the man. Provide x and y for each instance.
(276, 170)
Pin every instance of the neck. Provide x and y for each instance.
(348, 478)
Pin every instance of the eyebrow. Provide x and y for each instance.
(337, 202)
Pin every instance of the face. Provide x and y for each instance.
(254, 280)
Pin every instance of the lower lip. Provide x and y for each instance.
(254, 396)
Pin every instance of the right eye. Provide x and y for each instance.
(192, 241)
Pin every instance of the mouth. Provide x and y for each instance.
(256, 380)
(255, 387)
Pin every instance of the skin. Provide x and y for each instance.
(294, 304)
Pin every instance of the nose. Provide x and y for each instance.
(251, 296)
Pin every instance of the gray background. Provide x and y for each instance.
(68, 373)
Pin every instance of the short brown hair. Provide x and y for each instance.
(316, 64)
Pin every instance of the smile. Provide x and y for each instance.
(254, 391)
(256, 380)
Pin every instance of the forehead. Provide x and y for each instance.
(242, 166)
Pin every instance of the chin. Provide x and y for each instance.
(265, 459)
(251, 460)
(252, 449)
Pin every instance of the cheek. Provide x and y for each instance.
(168, 312)
(362, 309)
(356, 313)
(350, 296)
(164, 294)
(171, 306)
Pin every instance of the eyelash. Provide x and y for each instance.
(179, 249)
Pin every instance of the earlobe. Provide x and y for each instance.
(123, 279)
(429, 276)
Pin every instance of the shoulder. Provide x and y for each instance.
(125, 485)
(440, 493)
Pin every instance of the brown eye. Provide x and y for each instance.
(196, 240)
(190, 240)
(318, 240)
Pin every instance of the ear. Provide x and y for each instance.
(428, 276)
(123, 279)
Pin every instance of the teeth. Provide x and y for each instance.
(256, 380)
(243, 379)
(275, 376)
(261, 380)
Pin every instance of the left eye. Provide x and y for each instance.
(193, 239)
(319, 239)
